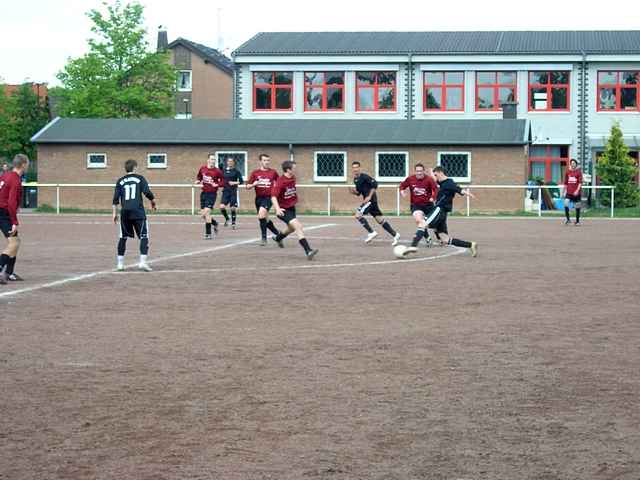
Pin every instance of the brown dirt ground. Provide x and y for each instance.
(520, 364)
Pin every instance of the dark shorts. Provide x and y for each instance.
(573, 198)
(5, 222)
(133, 227)
(426, 209)
(264, 202)
(207, 199)
(229, 197)
(437, 220)
(370, 208)
(289, 214)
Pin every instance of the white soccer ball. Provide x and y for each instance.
(400, 251)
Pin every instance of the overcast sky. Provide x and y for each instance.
(38, 36)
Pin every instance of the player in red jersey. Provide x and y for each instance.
(10, 196)
(284, 197)
(423, 190)
(210, 178)
(573, 191)
(263, 179)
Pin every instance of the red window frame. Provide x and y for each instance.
(324, 87)
(618, 89)
(548, 159)
(444, 86)
(496, 89)
(274, 87)
(550, 87)
(376, 88)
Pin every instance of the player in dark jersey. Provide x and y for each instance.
(133, 219)
(284, 198)
(232, 178)
(423, 190)
(366, 186)
(573, 191)
(263, 179)
(437, 218)
(10, 196)
(209, 178)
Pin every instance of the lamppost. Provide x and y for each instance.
(186, 107)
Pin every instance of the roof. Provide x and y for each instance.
(279, 132)
(446, 43)
(211, 54)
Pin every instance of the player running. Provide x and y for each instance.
(284, 198)
(232, 178)
(424, 190)
(437, 218)
(209, 177)
(133, 219)
(573, 191)
(263, 179)
(10, 196)
(366, 186)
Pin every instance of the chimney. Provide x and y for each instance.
(163, 41)
(509, 110)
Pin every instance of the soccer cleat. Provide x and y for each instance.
(233, 226)
(263, 242)
(474, 249)
(279, 242)
(311, 253)
(411, 250)
(567, 222)
(370, 237)
(207, 236)
(396, 240)
(428, 241)
(14, 277)
(145, 267)
(120, 267)
(578, 224)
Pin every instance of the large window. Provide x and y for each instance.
(548, 91)
(96, 160)
(444, 91)
(239, 157)
(272, 91)
(330, 166)
(184, 81)
(392, 166)
(618, 91)
(548, 162)
(157, 160)
(375, 91)
(457, 165)
(323, 91)
(495, 88)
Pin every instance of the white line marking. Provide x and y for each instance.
(86, 276)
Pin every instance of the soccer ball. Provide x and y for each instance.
(400, 251)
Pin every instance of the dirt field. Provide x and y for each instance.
(247, 362)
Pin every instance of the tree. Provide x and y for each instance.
(120, 77)
(615, 167)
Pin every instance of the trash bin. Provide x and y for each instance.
(30, 197)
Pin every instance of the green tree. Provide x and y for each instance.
(120, 77)
(615, 167)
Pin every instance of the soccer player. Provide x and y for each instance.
(10, 196)
(573, 191)
(284, 198)
(366, 186)
(423, 190)
(232, 178)
(209, 177)
(133, 219)
(263, 179)
(437, 218)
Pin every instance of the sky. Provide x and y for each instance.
(37, 37)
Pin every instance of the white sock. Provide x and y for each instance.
(120, 259)
(143, 259)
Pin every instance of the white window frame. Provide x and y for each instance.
(392, 179)
(156, 165)
(246, 160)
(466, 179)
(96, 165)
(190, 88)
(183, 116)
(318, 178)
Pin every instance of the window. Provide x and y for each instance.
(375, 91)
(618, 91)
(157, 160)
(96, 160)
(548, 91)
(548, 162)
(184, 81)
(392, 166)
(239, 157)
(457, 165)
(272, 91)
(183, 116)
(495, 88)
(323, 91)
(330, 166)
(444, 91)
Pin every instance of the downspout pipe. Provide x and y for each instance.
(410, 87)
(583, 113)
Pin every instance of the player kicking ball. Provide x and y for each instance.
(133, 219)
(423, 190)
(284, 198)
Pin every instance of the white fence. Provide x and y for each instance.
(331, 189)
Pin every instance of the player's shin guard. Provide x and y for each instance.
(4, 261)
(388, 228)
(365, 224)
(566, 214)
(233, 216)
(419, 235)
(459, 243)
(122, 246)
(263, 227)
(577, 215)
(224, 214)
(303, 242)
(144, 246)
(214, 221)
(11, 265)
(207, 228)
(272, 228)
